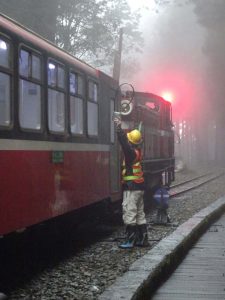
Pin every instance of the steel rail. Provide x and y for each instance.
(196, 182)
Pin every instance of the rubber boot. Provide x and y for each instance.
(130, 237)
(159, 215)
(165, 216)
(142, 236)
(168, 219)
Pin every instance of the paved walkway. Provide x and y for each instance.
(201, 275)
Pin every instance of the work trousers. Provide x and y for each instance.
(133, 208)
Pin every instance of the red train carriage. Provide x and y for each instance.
(57, 142)
(58, 150)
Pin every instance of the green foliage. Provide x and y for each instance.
(88, 29)
(39, 16)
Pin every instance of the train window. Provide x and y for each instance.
(24, 63)
(76, 115)
(51, 74)
(29, 65)
(5, 83)
(56, 111)
(61, 78)
(92, 109)
(29, 90)
(73, 83)
(76, 104)
(36, 67)
(56, 75)
(93, 91)
(56, 98)
(30, 105)
(4, 54)
(4, 99)
(92, 119)
(80, 85)
(76, 84)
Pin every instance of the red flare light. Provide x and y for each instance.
(168, 96)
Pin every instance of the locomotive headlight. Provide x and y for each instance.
(126, 107)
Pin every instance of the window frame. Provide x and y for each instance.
(32, 51)
(9, 72)
(90, 100)
(59, 89)
(61, 65)
(80, 96)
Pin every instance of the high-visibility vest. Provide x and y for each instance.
(137, 176)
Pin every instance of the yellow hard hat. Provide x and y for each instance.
(134, 136)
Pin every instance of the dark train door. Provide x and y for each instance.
(109, 104)
(115, 181)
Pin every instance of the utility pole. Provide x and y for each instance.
(117, 58)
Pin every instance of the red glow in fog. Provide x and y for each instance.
(168, 96)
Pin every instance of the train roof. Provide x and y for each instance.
(39, 42)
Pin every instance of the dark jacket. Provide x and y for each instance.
(129, 158)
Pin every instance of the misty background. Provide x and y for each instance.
(169, 47)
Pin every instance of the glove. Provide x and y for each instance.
(117, 118)
(117, 122)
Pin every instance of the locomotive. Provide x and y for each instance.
(152, 115)
(58, 149)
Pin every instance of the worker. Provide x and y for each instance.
(133, 188)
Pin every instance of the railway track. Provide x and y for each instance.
(193, 183)
(66, 268)
(161, 217)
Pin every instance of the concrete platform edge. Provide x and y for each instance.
(145, 274)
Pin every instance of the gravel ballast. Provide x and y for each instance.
(88, 273)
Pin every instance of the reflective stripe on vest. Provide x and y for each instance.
(136, 170)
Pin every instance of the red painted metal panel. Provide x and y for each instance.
(33, 188)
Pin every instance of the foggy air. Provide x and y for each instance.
(169, 47)
(106, 107)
